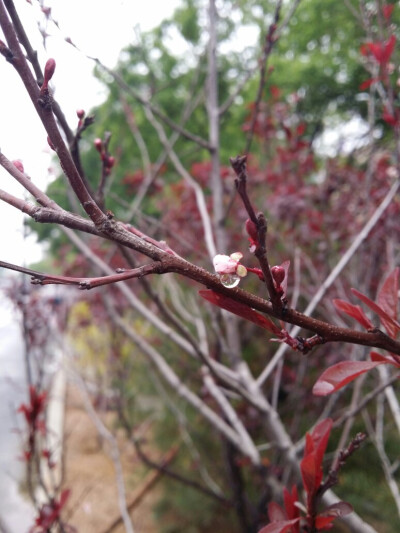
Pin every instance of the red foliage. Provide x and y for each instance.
(339, 375)
(380, 51)
(289, 519)
(311, 465)
(49, 514)
(355, 311)
(240, 309)
(34, 409)
(387, 11)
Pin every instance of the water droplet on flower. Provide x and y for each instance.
(229, 280)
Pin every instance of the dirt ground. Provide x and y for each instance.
(90, 474)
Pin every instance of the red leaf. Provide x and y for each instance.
(388, 300)
(367, 83)
(290, 500)
(337, 510)
(64, 497)
(387, 11)
(301, 128)
(391, 360)
(239, 309)
(337, 376)
(388, 48)
(309, 475)
(311, 465)
(279, 527)
(385, 318)
(355, 311)
(380, 51)
(389, 118)
(323, 522)
(276, 513)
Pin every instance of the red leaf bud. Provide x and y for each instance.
(110, 162)
(251, 229)
(278, 273)
(49, 70)
(98, 144)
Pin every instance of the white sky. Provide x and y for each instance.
(99, 29)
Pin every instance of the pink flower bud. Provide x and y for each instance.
(251, 229)
(18, 164)
(98, 144)
(80, 113)
(110, 162)
(49, 70)
(278, 273)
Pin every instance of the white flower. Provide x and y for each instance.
(225, 264)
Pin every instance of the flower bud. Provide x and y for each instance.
(98, 144)
(251, 229)
(110, 161)
(49, 70)
(278, 273)
(80, 113)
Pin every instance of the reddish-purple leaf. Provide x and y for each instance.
(388, 300)
(388, 48)
(239, 309)
(276, 513)
(387, 11)
(311, 465)
(279, 527)
(367, 83)
(320, 436)
(377, 309)
(309, 474)
(392, 359)
(337, 510)
(323, 523)
(381, 51)
(290, 499)
(355, 311)
(337, 376)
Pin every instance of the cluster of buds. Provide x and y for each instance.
(108, 160)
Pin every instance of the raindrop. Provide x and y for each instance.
(229, 280)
